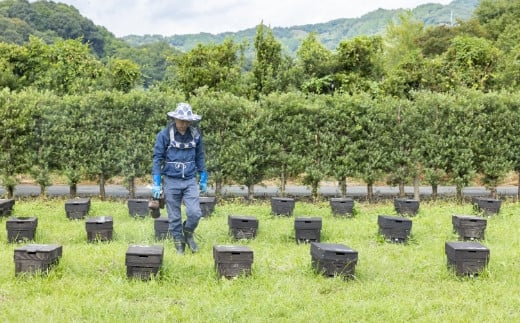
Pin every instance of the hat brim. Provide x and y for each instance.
(193, 117)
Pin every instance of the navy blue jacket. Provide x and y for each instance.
(177, 162)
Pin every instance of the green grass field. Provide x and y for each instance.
(393, 282)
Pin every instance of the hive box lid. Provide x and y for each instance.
(99, 222)
(21, 222)
(466, 250)
(240, 221)
(145, 250)
(389, 220)
(145, 256)
(84, 200)
(232, 254)
(307, 223)
(38, 251)
(100, 219)
(207, 199)
(332, 251)
(468, 220)
(6, 203)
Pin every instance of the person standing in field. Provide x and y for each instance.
(178, 156)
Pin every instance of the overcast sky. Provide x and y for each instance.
(177, 17)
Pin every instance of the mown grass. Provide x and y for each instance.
(393, 283)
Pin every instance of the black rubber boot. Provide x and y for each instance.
(180, 245)
(190, 240)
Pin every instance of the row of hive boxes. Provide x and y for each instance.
(101, 228)
(78, 208)
(329, 259)
(402, 206)
(307, 229)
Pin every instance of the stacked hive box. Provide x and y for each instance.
(207, 205)
(138, 207)
(406, 206)
(160, 226)
(307, 229)
(77, 208)
(232, 261)
(469, 227)
(342, 206)
(488, 206)
(333, 259)
(21, 228)
(36, 257)
(99, 228)
(467, 258)
(242, 227)
(394, 228)
(143, 261)
(6, 207)
(282, 206)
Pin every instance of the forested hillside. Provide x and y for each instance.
(329, 33)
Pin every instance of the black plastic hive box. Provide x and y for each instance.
(394, 228)
(232, 261)
(469, 227)
(333, 259)
(143, 261)
(282, 206)
(406, 206)
(342, 206)
(488, 206)
(77, 208)
(207, 205)
(467, 258)
(307, 229)
(99, 228)
(6, 207)
(21, 228)
(161, 228)
(138, 207)
(242, 227)
(36, 257)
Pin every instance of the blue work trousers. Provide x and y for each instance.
(177, 190)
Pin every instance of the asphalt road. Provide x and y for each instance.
(356, 192)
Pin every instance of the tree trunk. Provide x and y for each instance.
(401, 188)
(10, 191)
(493, 191)
(218, 188)
(102, 193)
(283, 182)
(343, 187)
(435, 189)
(459, 194)
(416, 183)
(370, 192)
(73, 190)
(250, 192)
(314, 191)
(43, 191)
(131, 187)
(518, 187)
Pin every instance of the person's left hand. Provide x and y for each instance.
(203, 182)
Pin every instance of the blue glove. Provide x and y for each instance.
(203, 182)
(157, 187)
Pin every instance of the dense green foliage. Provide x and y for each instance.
(393, 283)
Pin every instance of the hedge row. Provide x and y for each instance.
(438, 138)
